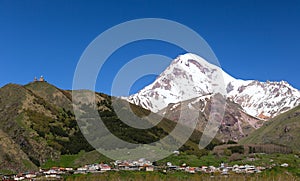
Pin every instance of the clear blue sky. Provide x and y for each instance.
(252, 39)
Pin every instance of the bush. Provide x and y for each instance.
(231, 142)
(227, 152)
(236, 149)
(235, 157)
(34, 160)
(58, 131)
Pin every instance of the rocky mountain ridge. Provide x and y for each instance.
(190, 76)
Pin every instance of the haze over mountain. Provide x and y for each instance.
(190, 76)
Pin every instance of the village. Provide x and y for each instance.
(143, 165)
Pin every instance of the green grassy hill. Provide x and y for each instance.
(51, 94)
(38, 128)
(282, 130)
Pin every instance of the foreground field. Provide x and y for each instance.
(147, 176)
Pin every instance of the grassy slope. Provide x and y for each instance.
(283, 130)
(12, 132)
(51, 94)
(37, 119)
(35, 126)
(162, 129)
(11, 155)
(77, 160)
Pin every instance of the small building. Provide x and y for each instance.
(41, 79)
(30, 175)
(225, 171)
(150, 168)
(104, 167)
(190, 169)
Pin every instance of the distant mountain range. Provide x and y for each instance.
(190, 76)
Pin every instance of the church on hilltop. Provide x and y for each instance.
(41, 79)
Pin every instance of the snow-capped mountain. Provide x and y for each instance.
(190, 76)
(187, 77)
(265, 99)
